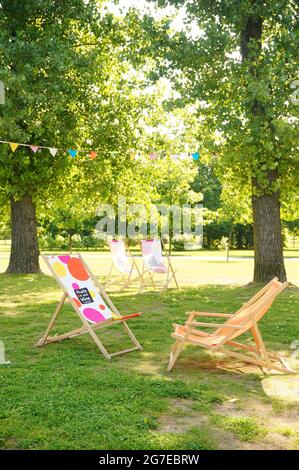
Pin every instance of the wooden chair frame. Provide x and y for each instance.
(124, 280)
(86, 326)
(258, 354)
(170, 274)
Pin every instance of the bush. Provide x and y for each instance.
(60, 242)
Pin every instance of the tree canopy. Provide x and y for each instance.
(77, 75)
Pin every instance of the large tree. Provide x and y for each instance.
(239, 62)
(64, 79)
(44, 74)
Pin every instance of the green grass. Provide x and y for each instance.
(246, 429)
(67, 396)
(194, 268)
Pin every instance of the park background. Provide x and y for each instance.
(110, 98)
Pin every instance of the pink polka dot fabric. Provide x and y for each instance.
(153, 256)
(72, 274)
(119, 256)
(93, 315)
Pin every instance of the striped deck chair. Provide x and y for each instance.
(88, 299)
(124, 263)
(223, 338)
(154, 262)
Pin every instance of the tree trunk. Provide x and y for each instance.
(268, 245)
(170, 244)
(229, 242)
(70, 243)
(24, 255)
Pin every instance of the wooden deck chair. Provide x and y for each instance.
(124, 263)
(223, 339)
(153, 262)
(89, 300)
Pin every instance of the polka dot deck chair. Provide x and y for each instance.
(155, 263)
(88, 299)
(125, 265)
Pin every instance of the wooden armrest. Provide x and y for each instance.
(207, 314)
(213, 325)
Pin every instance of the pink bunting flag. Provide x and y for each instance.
(53, 151)
(34, 148)
(153, 156)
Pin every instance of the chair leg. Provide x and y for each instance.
(106, 282)
(97, 341)
(142, 281)
(127, 282)
(173, 273)
(168, 279)
(260, 343)
(175, 280)
(43, 339)
(132, 336)
(152, 279)
(258, 362)
(174, 353)
(139, 276)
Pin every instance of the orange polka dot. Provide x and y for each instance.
(102, 307)
(77, 302)
(77, 269)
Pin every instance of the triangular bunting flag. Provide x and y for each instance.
(72, 152)
(195, 156)
(93, 155)
(53, 151)
(174, 157)
(13, 146)
(34, 148)
(153, 156)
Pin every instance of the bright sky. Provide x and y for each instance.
(171, 127)
(144, 6)
(141, 5)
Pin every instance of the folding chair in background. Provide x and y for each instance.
(89, 300)
(153, 262)
(223, 338)
(124, 263)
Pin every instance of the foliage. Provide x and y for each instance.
(212, 74)
(207, 183)
(44, 78)
(73, 90)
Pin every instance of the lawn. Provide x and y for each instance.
(67, 396)
(194, 268)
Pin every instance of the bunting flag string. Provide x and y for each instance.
(93, 154)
